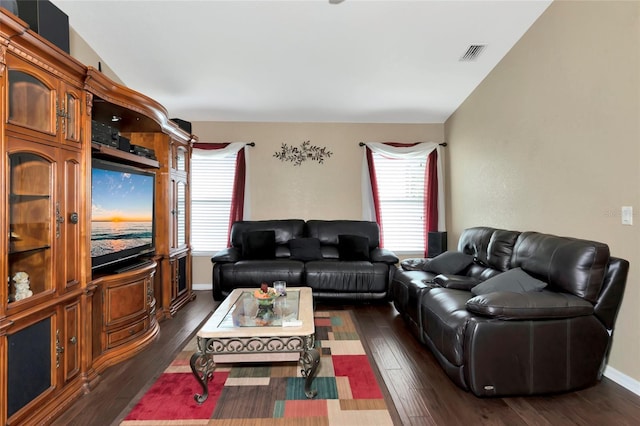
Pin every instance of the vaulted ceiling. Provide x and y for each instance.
(303, 61)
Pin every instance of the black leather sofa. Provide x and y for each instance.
(515, 313)
(338, 259)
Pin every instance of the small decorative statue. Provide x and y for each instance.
(21, 286)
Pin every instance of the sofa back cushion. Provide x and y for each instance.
(566, 264)
(327, 231)
(491, 247)
(500, 249)
(475, 241)
(284, 231)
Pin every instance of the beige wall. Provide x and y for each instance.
(280, 190)
(80, 50)
(550, 142)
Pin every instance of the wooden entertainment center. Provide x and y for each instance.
(63, 323)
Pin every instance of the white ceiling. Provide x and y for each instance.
(302, 61)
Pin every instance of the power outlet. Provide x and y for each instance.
(627, 215)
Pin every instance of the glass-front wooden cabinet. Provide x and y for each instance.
(62, 322)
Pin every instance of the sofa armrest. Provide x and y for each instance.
(456, 282)
(228, 255)
(530, 305)
(383, 255)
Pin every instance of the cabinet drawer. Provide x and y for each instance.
(117, 337)
(125, 302)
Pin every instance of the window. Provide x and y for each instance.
(211, 191)
(401, 196)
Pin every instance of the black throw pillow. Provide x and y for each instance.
(259, 245)
(305, 249)
(353, 247)
(514, 280)
(449, 262)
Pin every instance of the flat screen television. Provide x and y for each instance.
(122, 213)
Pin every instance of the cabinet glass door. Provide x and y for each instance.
(181, 216)
(30, 222)
(181, 159)
(71, 117)
(31, 102)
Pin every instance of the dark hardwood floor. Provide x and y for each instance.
(418, 388)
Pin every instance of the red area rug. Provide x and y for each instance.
(273, 394)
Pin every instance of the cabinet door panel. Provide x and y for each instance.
(71, 118)
(70, 236)
(29, 364)
(126, 301)
(70, 343)
(118, 337)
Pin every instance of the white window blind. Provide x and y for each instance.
(211, 191)
(401, 195)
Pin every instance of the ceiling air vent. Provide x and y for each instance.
(472, 52)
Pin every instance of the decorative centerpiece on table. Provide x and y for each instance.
(265, 296)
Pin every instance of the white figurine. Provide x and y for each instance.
(21, 285)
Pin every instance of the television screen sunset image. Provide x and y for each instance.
(121, 211)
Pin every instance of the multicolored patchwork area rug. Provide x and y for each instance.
(273, 394)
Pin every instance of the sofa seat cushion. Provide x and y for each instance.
(251, 273)
(445, 317)
(347, 277)
(506, 305)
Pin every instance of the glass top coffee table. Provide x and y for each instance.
(246, 329)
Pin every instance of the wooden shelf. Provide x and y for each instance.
(104, 151)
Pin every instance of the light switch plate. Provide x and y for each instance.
(627, 215)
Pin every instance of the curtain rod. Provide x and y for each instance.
(441, 144)
(251, 144)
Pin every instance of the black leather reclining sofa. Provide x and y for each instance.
(515, 313)
(338, 259)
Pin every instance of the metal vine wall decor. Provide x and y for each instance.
(304, 152)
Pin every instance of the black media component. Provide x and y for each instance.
(436, 243)
(47, 20)
(142, 151)
(104, 134)
(124, 144)
(184, 125)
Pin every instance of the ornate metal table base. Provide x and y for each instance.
(202, 362)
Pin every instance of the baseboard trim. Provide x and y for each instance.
(202, 287)
(622, 379)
